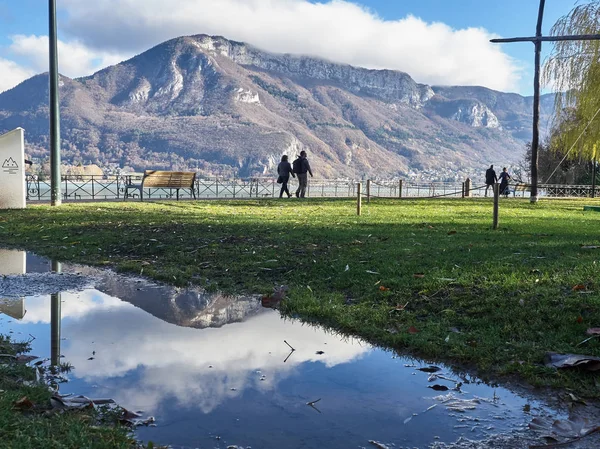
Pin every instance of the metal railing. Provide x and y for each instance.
(93, 187)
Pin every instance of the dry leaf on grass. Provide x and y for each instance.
(555, 360)
(23, 404)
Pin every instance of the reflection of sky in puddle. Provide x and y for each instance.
(232, 380)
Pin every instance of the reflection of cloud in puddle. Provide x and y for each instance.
(74, 305)
(195, 367)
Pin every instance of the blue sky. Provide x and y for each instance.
(435, 41)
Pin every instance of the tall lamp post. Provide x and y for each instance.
(55, 193)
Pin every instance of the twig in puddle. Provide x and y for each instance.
(289, 355)
(312, 404)
(565, 443)
(289, 345)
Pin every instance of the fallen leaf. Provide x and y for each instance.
(400, 307)
(383, 289)
(578, 287)
(593, 331)
(580, 319)
(347, 268)
(24, 403)
(419, 275)
(451, 232)
(413, 330)
(555, 360)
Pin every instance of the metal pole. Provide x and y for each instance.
(593, 179)
(368, 190)
(496, 200)
(535, 141)
(55, 194)
(358, 198)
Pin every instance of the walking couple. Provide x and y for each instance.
(491, 179)
(301, 167)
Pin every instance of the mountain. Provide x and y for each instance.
(227, 108)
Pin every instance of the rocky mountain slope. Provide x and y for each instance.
(226, 108)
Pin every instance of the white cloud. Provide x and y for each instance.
(337, 30)
(12, 74)
(75, 59)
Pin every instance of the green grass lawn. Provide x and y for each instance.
(425, 276)
(27, 420)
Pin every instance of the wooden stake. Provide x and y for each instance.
(496, 200)
(358, 198)
(368, 190)
(400, 189)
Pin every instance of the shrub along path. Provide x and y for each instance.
(426, 276)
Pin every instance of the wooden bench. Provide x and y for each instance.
(164, 179)
(521, 188)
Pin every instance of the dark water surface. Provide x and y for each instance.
(215, 371)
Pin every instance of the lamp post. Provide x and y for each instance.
(55, 193)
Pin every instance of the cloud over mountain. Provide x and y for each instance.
(337, 30)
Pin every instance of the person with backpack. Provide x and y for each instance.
(302, 168)
(284, 170)
(490, 179)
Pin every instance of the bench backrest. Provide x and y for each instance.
(172, 179)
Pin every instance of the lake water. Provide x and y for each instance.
(216, 371)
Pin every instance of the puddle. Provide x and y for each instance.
(215, 371)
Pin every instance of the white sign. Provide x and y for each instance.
(12, 170)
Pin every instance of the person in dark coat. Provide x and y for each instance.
(284, 170)
(504, 178)
(302, 169)
(490, 179)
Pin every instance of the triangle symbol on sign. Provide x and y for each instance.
(10, 163)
